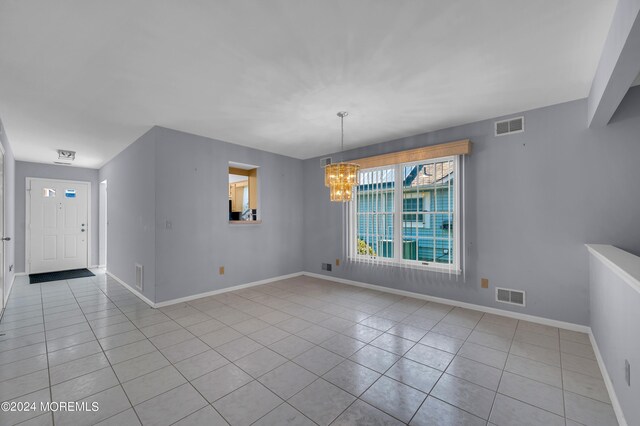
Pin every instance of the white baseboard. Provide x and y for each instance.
(8, 292)
(617, 408)
(225, 290)
(200, 295)
(487, 309)
(132, 290)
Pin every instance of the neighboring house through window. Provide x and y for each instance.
(408, 214)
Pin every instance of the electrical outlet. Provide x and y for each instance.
(337, 262)
(627, 372)
(326, 267)
(484, 283)
(221, 270)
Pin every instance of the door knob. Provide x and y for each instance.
(6, 238)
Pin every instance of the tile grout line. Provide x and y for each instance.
(170, 363)
(105, 355)
(495, 396)
(325, 300)
(445, 370)
(46, 347)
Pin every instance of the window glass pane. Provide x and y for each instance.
(444, 251)
(409, 248)
(425, 249)
(428, 211)
(374, 211)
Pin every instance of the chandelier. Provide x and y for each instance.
(341, 177)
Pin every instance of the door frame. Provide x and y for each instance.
(27, 219)
(5, 295)
(103, 222)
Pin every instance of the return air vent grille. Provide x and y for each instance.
(325, 161)
(514, 297)
(506, 127)
(139, 277)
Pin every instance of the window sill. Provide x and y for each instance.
(431, 267)
(245, 222)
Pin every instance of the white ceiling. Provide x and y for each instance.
(92, 76)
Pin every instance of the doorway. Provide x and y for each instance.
(57, 231)
(102, 224)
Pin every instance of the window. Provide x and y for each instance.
(407, 214)
(243, 193)
(48, 192)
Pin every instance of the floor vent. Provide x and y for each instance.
(507, 127)
(514, 297)
(139, 276)
(325, 161)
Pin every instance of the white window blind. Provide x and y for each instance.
(408, 215)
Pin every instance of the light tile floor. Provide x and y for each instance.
(301, 351)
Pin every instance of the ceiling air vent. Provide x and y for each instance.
(139, 277)
(507, 127)
(325, 161)
(513, 297)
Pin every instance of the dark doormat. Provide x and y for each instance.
(60, 275)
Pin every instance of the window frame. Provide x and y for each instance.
(398, 213)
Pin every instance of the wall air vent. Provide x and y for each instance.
(507, 127)
(513, 297)
(139, 277)
(325, 161)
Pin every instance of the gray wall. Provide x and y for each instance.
(615, 323)
(533, 199)
(9, 212)
(131, 199)
(51, 171)
(192, 194)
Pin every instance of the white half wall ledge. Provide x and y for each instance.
(624, 264)
(615, 403)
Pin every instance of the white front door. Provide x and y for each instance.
(58, 225)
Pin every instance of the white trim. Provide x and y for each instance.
(27, 218)
(5, 292)
(481, 308)
(201, 295)
(607, 381)
(605, 253)
(20, 274)
(132, 290)
(226, 289)
(398, 214)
